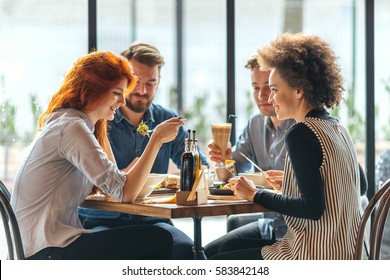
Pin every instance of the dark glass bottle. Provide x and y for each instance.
(187, 170)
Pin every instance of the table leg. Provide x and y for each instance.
(198, 249)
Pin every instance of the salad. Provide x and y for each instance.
(143, 129)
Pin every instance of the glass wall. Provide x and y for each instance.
(152, 21)
(382, 90)
(39, 40)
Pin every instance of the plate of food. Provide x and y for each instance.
(152, 180)
(217, 191)
(220, 188)
(170, 184)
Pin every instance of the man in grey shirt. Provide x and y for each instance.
(262, 140)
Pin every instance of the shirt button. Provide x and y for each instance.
(273, 135)
(272, 156)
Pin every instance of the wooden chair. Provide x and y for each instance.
(381, 204)
(11, 227)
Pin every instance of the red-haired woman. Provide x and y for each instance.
(70, 155)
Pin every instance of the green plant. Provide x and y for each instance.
(173, 102)
(36, 110)
(220, 106)
(7, 123)
(8, 133)
(196, 116)
(354, 122)
(250, 105)
(386, 128)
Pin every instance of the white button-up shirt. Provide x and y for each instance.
(63, 163)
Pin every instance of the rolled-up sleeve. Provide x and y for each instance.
(79, 145)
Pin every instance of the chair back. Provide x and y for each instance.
(380, 203)
(5, 191)
(11, 227)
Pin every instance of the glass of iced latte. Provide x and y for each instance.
(221, 136)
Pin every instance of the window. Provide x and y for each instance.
(35, 50)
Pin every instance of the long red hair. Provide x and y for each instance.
(84, 85)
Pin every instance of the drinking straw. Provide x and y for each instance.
(230, 117)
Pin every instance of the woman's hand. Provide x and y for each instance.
(215, 152)
(275, 176)
(243, 187)
(167, 130)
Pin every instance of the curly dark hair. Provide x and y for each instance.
(306, 62)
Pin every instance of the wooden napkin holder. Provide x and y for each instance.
(182, 196)
(197, 196)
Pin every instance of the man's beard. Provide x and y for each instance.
(137, 106)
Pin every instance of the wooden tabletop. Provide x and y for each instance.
(212, 208)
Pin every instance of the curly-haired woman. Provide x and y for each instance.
(321, 191)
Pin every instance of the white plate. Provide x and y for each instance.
(151, 182)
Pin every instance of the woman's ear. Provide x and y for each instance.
(299, 93)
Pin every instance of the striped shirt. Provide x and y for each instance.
(321, 204)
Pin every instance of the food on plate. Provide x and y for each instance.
(143, 129)
(222, 185)
(171, 181)
(227, 186)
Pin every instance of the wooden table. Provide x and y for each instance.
(212, 208)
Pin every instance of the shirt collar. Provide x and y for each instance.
(321, 113)
(148, 116)
(318, 113)
(283, 125)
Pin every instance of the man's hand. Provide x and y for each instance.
(215, 153)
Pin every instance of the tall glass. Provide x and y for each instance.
(221, 135)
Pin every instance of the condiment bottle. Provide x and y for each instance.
(198, 163)
(187, 169)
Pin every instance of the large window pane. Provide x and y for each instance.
(204, 64)
(39, 40)
(382, 90)
(152, 21)
(259, 22)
